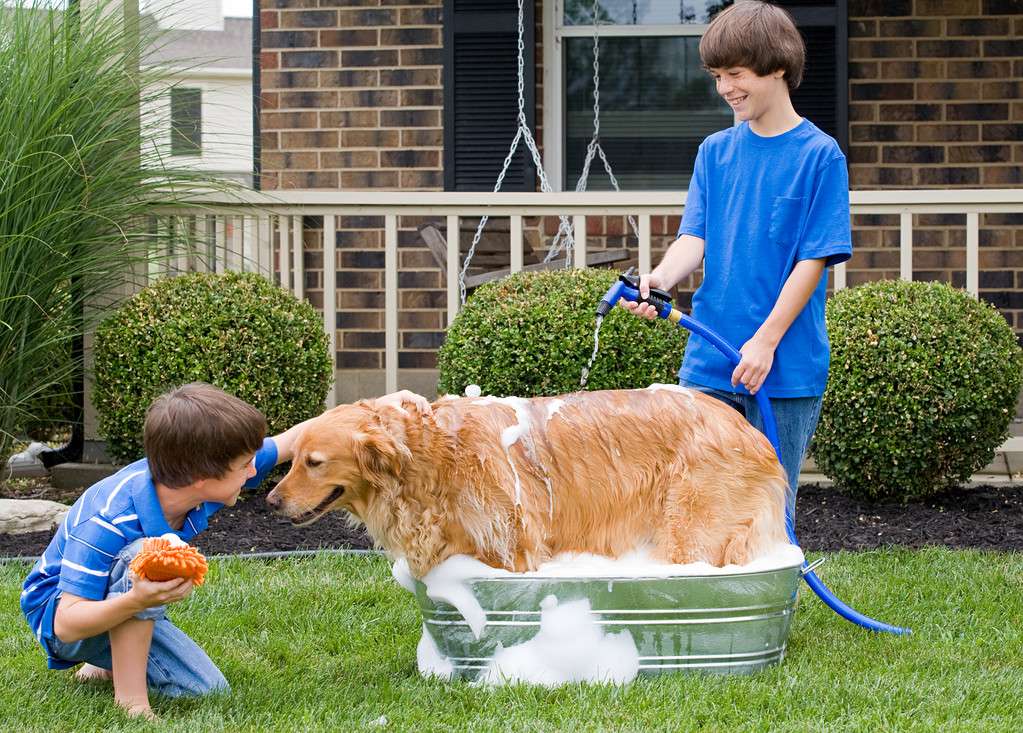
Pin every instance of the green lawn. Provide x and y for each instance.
(328, 643)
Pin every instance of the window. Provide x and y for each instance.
(657, 104)
(186, 121)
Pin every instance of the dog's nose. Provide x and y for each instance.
(273, 500)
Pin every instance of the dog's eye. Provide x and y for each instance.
(313, 462)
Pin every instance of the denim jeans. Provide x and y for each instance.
(796, 418)
(177, 666)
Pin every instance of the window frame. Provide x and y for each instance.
(554, 30)
(175, 131)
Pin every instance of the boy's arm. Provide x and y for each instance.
(286, 441)
(758, 352)
(683, 257)
(78, 618)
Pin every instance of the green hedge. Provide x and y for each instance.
(236, 331)
(531, 334)
(924, 381)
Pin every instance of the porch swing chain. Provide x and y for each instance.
(594, 147)
(522, 133)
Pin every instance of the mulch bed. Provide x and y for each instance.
(987, 517)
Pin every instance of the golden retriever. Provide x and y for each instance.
(513, 482)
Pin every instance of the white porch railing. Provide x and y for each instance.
(242, 232)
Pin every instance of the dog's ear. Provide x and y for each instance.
(380, 447)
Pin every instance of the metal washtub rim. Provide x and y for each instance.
(603, 611)
(638, 622)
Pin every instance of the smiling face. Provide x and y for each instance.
(340, 461)
(750, 96)
(226, 489)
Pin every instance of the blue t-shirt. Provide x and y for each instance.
(109, 516)
(761, 204)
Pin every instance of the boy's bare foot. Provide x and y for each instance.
(139, 711)
(91, 672)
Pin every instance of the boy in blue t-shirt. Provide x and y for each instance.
(83, 603)
(767, 211)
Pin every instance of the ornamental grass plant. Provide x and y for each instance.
(76, 187)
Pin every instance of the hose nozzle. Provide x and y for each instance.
(627, 286)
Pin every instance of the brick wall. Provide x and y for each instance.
(935, 102)
(352, 100)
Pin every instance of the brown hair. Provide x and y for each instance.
(757, 35)
(196, 431)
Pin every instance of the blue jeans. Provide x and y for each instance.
(796, 418)
(177, 666)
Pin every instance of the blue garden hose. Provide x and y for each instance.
(627, 286)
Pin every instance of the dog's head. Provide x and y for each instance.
(343, 459)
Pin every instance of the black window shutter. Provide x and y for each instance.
(823, 97)
(481, 94)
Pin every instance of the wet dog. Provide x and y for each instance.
(513, 482)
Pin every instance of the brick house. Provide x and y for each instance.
(420, 95)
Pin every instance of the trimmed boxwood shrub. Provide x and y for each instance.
(924, 381)
(531, 334)
(237, 331)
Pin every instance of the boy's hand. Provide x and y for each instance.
(752, 370)
(644, 310)
(399, 398)
(149, 593)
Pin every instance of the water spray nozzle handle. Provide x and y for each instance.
(627, 286)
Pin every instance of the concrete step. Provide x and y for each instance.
(80, 475)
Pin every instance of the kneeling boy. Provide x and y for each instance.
(81, 600)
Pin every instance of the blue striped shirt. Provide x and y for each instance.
(110, 515)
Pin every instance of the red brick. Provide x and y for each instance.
(947, 7)
(349, 119)
(269, 60)
(308, 99)
(370, 138)
(986, 69)
(308, 179)
(369, 179)
(308, 18)
(410, 77)
(348, 37)
(372, 98)
(410, 37)
(350, 159)
(363, 18)
(287, 120)
(422, 138)
(269, 19)
(979, 154)
(349, 78)
(309, 139)
(914, 28)
(945, 90)
(289, 160)
(419, 179)
(947, 133)
(1003, 175)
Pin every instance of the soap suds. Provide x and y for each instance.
(569, 647)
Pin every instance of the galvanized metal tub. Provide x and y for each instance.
(723, 624)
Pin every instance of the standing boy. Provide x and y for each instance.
(82, 602)
(767, 211)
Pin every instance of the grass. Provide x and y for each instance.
(328, 643)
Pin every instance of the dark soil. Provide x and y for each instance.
(988, 517)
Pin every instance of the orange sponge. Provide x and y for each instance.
(161, 560)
